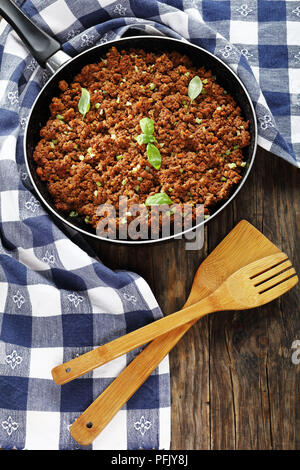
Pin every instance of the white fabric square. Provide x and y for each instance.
(255, 71)
(40, 424)
(58, 16)
(293, 33)
(264, 143)
(3, 295)
(3, 24)
(294, 79)
(165, 427)
(71, 256)
(163, 367)
(3, 87)
(10, 206)
(108, 439)
(146, 292)
(15, 46)
(105, 3)
(45, 300)
(42, 361)
(8, 148)
(178, 21)
(111, 369)
(295, 128)
(105, 300)
(29, 259)
(243, 32)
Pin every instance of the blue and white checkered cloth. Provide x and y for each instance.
(57, 301)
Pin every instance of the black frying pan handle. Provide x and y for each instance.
(41, 45)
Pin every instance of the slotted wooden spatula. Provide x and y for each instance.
(251, 286)
(243, 245)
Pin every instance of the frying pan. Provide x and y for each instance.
(48, 53)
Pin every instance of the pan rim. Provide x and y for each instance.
(160, 239)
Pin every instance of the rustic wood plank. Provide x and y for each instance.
(233, 383)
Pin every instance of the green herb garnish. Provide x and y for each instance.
(73, 214)
(147, 126)
(154, 156)
(194, 88)
(158, 199)
(145, 139)
(84, 103)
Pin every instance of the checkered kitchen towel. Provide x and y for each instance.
(56, 301)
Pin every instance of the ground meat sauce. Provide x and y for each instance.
(92, 160)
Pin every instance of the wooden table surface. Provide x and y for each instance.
(233, 382)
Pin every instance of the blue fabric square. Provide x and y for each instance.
(9, 121)
(77, 329)
(13, 394)
(30, 96)
(208, 43)
(16, 273)
(147, 390)
(269, 10)
(95, 17)
(7, 244)
(137, 319)
(280, 103)
(67, 280)
(16, 329)
(17, 72)
(19, 150)
(41, 228)
(143, 9)
(1, 54)
(273, 56)
(29, 8)
(174, 3)
(215, 10)
(111, 278)
(76, 395)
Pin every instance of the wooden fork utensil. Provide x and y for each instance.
(243, 245)
(251, 286)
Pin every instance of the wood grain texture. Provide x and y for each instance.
(234, 385)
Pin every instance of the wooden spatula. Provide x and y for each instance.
(251, 286)
(243, 245)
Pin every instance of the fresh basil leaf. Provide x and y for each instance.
(194, 88)
(154, 156)
(147, 126)
(158, 199)
(84, 103)
(145, 139)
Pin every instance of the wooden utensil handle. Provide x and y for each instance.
(97, 416)
(97, 357)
